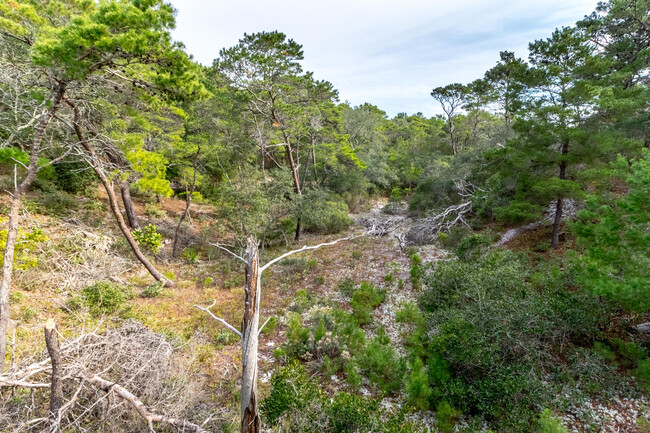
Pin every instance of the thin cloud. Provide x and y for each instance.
(379, 51)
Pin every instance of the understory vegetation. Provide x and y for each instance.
(231, 247)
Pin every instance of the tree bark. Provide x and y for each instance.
(188, 202)
(14, 219)
(112, 200)
(56, 388)
(128, 204)
(250, 421)
(555, 237)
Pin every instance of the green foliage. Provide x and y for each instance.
(27, 242)
(417, 387)
(291, 392)
(350, 413)
(149, 237)
(364, 300)
(446, 417)
(548, 423)
(346, 287)
(472, 246)
(102, 297)
(381, 364)
(491, 328)
(321, 216)
(154, 211)
(55, 203)
(615, 239)
(191, 255)
(74, 178)
(153, 290)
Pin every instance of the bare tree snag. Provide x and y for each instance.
(56, 388)
(250, 421)
(14, 217)
(112, 200)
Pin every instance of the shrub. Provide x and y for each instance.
(417, 387)
(74, 177)
(446, 417)
(365, 299)
(381, 364)
(472, 246)
(104, 297)
(351, 413)
(548, 423)
(291, 391)
(149, 238)
(153, 290)
(321, 215)
(191, 256)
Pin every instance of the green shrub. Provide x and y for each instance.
(351, 413)
(346, 286)
(298, 337)
(153, 290)
(291, 392)
(55, 203)
(104, 297)
(154, 211)
(365, 299)
(74, 177)
(417, 387)
(642, 373)
(446, 417)
(381, 364)
(322, 215)
(149, 238)
(472, 246)
(548, 423)
(191, 255)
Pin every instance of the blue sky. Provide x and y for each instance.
(387, 53)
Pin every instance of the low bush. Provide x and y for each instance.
(149, 238)
(102, 297)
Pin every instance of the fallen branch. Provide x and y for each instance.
(148, 415)
(219, 319)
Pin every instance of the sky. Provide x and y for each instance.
(388, 53)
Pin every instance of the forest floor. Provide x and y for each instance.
(84, 247)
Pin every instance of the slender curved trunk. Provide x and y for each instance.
(555, 237)
(14, 218)
(250, 420)
(188, 202)
(128, 204)
(112, 201)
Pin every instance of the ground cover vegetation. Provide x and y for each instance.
(486, 269)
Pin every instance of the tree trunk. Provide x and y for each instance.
(555, 237)
(250, 421)
(128, 204)
(56, 389)
(112, 200)
(298, 228)
(188, 202)
(14, 219)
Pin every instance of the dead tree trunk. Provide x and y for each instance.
(250, 420)
(112, 200)
(14, 218)
(56, 388)
(131, 216)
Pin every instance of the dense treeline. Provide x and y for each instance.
(97, 94)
